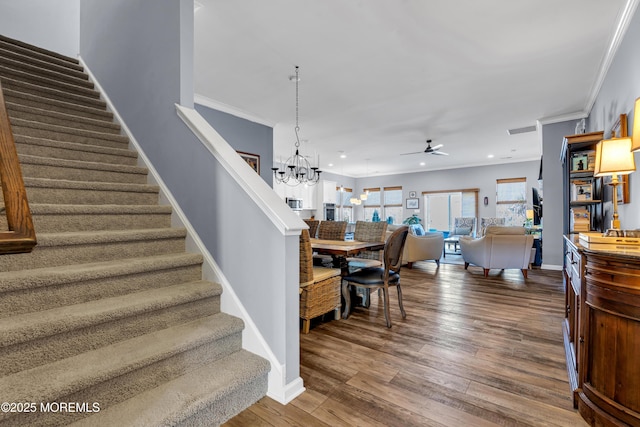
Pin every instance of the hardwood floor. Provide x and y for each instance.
(471, 352)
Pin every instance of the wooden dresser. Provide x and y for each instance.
(602, 332)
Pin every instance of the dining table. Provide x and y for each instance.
(340, 250)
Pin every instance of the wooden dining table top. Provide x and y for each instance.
(344, 247)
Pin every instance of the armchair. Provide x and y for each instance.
(421, 245)
(486, 222)
(500, 247)
(464, 226)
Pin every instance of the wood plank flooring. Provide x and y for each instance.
(471, 352)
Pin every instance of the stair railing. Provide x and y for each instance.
(21, 236)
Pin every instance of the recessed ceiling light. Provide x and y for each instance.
(343, 156)
(422, 163)
(490, 156)
(330, 165)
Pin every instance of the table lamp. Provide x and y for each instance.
(613, 158)
(635, 136)
(529, 216)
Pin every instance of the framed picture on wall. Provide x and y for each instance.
(252, 160)
(413, 203)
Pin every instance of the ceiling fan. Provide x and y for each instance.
(430, 150)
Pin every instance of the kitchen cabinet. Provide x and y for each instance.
(307, 193)
(326, 192)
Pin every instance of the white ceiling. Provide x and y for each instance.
(379, 77)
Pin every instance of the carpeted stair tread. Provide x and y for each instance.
(74, 151)
(30, 326)
(56, 65)
(33, 69)
(40, 190)
(77, 170)
(94, 186)
(51, 93)
(49, 82)
(28, 127)
(38, 52)
(57, 249)
(175, 403)
(56, 276)
(50, 382)
(103, 237)
(51, 104)
(61, 119)
(49, 218)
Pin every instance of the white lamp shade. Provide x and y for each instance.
(614, 156)
(635, 136)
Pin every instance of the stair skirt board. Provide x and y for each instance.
(109, 307)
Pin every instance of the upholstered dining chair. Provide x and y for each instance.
(319, 286)
(381, 277)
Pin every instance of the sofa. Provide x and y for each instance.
(500, 247)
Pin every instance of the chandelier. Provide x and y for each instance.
(297, 169)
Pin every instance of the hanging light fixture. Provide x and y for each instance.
(364, 196)
(297, 169)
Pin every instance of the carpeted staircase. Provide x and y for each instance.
(108, 308)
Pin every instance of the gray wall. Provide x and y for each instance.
(53, 25)
(482, 177)
(134, 50)
(243, 135)
(619, 91)
(552, 137)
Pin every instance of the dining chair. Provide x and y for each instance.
(381, 277)
(332, 230)
(319, 286)
(313, 226)
(329, 230)
(367, 231)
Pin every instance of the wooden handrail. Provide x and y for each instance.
(21, 236)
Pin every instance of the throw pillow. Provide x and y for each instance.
(417, 230)
(463, 231)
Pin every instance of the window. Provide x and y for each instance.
(393, 204)
(442, 207)
(511, 200)
(345, 208)
(372, 204)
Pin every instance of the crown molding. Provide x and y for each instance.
(219, 106)
(577, 115)
(621, 29)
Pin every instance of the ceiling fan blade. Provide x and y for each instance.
(406, 154)
(437, 147)
(439, 153)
